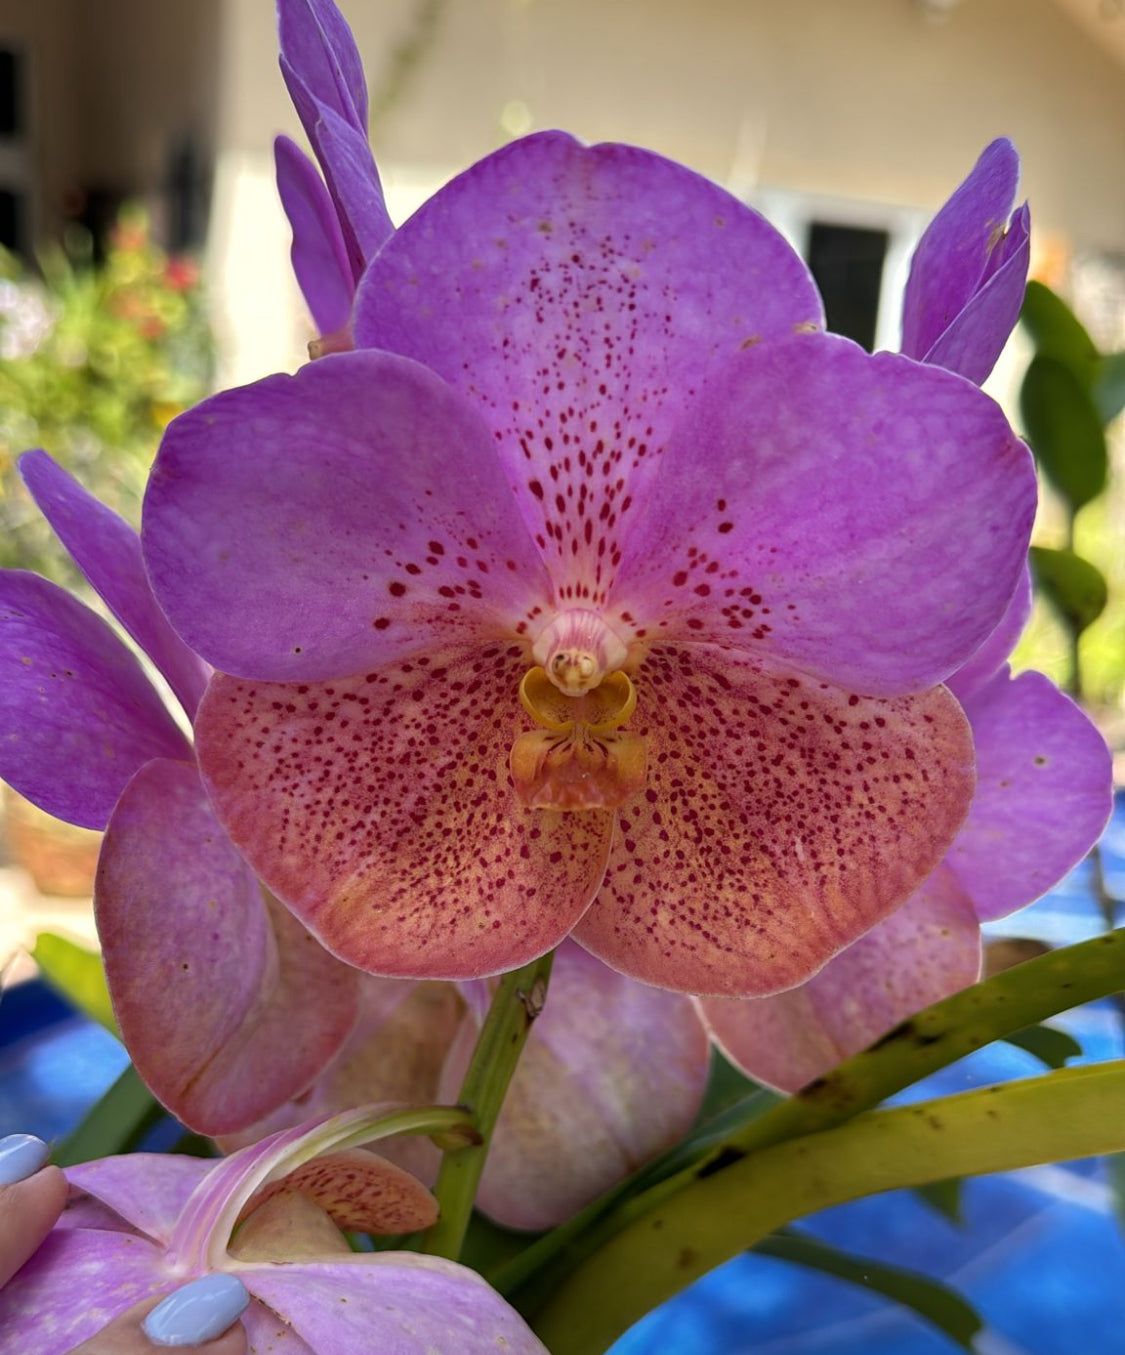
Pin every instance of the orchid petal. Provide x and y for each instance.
(395, 1053)
(988, 660)
(110, 1270)
(1044, 793)
(926, 950)
(78, 716)
(320, 61)
(359, 1191)
(380, 809)
(580, 296)
(354, 185)
(613, 1074)
(782, 820)
(108, 552)
(147, 1190)
(952, 258)
(973, 341)
(319, 256)
(395, 1302)
(819, 508)
(359, 508)
(204, 973)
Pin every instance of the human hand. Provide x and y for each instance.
(196, 1317)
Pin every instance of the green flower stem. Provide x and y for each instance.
(1073, 1113)
(518, 1000)
(1008, 1002)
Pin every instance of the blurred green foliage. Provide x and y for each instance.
(95, 359)
(1070, 397)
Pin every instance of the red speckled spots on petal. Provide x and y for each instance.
(380, 807)
(360, 1191)
(580, 295)
(783, 818)
(926, 950)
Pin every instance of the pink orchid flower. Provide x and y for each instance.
(140, 1226)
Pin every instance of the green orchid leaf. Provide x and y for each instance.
(931, 1300)
(1115, 1174)
(78, 974)
(1073, 586)
(1050, 1046)
(1065, 430)
(114, 1124)
(1058, 333)
(1109, 387)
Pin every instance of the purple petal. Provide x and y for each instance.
(987, 661)
(314, 525)
(380, 808)
(613, 1074)
(973, 341)
(952, 258)
(108, 551)
(783, 819)
(354, 184)
(860, 518)
(148, 1190)
(75, 1284)
(922, 953)
(204, 990)
(319, 57)
(394, 1302)
(580, 296)
(319, 256)
(77, 715)
(1044, 793)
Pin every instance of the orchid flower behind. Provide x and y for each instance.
(339, 222)
(204, 968)
(593, 594)
(1044, 794)
(272, 1214)
(968, 273)
(613, 1074)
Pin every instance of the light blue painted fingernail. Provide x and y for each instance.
(21, 1156)
(198, 1312)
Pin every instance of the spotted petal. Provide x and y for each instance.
(319, 256)
(782, 820)
(819, 508)
(580, 296)
(108, 551)
(1044, 793)
(967, 276)
(310, 526)
(927, 949)
(204, 972)
(380, 808)
(614, 1073)
(77, 714)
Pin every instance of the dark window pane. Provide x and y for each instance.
(11, 92)
(847, 263)
(11, 220)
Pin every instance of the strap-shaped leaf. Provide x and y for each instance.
(931, 1300)
(1074, 587)
(1050, 1046)
(78, 974)
(114, 1124)
(1064, 429)
(1058, 333)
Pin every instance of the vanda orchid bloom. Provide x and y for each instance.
(139, 1226)
(204, 968)
(1044, 794)
(594, 593)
